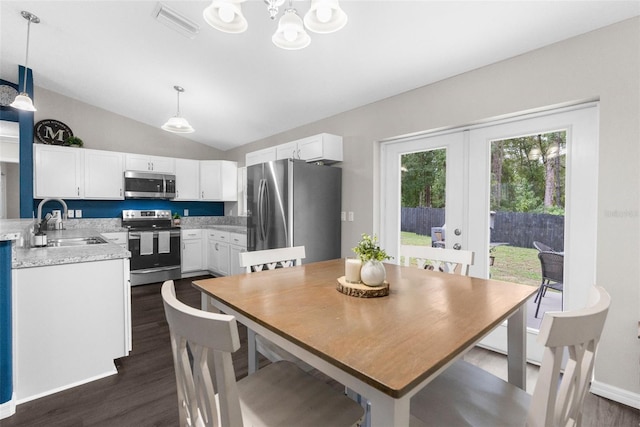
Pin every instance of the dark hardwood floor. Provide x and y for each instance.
(144, 391)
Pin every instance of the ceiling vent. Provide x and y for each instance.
(177, 22)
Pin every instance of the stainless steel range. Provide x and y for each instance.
(154, 244)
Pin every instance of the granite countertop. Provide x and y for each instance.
(39, 257)
(230, 228)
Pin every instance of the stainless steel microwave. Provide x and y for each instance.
(145, 185)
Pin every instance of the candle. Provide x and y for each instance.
(352, 270)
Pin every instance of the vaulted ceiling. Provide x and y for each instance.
(241, 88)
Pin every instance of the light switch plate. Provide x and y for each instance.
(70, 213)
(343, 216)
(78, 213)
(350, 216)
(186, 212)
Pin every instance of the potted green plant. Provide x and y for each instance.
(371, 255)
(176, 218)
(73, 141)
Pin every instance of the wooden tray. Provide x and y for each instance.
(360, 290)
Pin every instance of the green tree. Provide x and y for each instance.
(424, 179)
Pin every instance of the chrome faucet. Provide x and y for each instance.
(62, 202)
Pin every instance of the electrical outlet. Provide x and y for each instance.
(78, 213)
(70, 213)
(350, 216)
(343, 216)
(186, 212)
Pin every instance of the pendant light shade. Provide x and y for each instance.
(22, 101)
(226, 16)
(178, 124)
(291, 34)
(325, 16)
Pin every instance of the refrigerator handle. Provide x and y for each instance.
(262, 214)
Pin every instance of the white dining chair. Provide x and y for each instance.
(466, 395)
(280, 394)
(270, 259)
(439, 259)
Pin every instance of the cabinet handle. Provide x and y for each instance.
(78, 191)
(203, 194)
(121, 192)
(216, 246)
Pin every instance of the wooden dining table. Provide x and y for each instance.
(384, 349)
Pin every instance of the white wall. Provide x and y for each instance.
(602, 65)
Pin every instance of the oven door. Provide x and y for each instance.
(155, 256)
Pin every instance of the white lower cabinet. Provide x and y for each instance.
(192, 255)
(218, 252)
(238, 243)
(71, 322)
(223, 248)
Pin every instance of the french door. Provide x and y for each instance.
(467, 213)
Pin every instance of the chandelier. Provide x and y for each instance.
(323, 17)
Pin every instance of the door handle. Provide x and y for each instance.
(457, 246)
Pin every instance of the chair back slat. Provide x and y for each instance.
(270, 259)
(208, 336)
(447, 260)
(577, 331)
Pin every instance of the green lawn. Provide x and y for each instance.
(512, 264)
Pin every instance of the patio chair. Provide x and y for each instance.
(280, 394)
(541, 247)
(552, 265)
(467, 395)
(445, 260)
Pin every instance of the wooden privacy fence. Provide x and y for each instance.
(516, 228)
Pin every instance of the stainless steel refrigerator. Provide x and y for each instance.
(294, 203)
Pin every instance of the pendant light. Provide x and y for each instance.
(178, 124)
(291, 34)
(22, 101)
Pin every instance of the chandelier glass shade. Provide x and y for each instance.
(323, 17)
(178, 124)
(291, 34)
(23, 101)
(226, 16)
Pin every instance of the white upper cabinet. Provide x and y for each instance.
(146, 163)
(58, 172)
(187, 179)
(287, 151)
(103, 174)
(218, 180)
(260, 156)
(322, 147)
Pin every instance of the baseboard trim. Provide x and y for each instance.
(100, 376)
(616, 394)
(8, 408)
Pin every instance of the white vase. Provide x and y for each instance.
(373, 273)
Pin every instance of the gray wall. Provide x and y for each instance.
(103, 130)
(604, 65)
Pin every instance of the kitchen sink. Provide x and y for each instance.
(75, 241)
